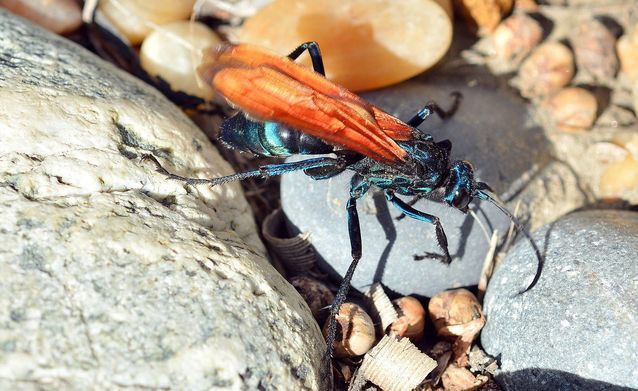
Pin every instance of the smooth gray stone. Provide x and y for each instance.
(577, 328)
(491, 129)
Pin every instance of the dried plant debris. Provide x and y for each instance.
(395, 364)
(315, 293)
(457, 314)
(294, 252)
(381, 308)
(457, 378)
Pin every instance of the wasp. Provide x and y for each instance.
(288, 109)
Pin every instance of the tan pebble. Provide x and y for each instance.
(627, 47)
(173, 52)
(619, 178)
(365, 45)
(59, 16)
(571, 109)
(594, 49)
(547, 69)
(411, 322)
(314, 292)
(355, 331)
(135, 19)
(483, 15)
(515, 38)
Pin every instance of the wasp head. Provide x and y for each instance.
(460, 187)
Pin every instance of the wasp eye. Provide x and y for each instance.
(461, 198)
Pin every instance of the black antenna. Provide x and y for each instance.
(519, 227)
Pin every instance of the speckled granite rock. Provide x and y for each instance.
(112, 276)
(576, 329)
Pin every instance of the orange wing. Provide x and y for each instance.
(272, 88)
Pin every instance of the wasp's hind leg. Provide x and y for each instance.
(315, 55)
(433, 107)
(428, 218)
(358, 187)
(263, 171)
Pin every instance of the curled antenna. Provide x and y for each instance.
(519, 227)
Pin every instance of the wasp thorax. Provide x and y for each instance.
(460, 186)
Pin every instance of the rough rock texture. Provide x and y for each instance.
(493, 130)
(576, 329)
(111, 275)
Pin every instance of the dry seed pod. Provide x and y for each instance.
(571, 109)
(627, 47)
(381, 307)
(366, 45)
(547, 69)
(515, 38)
(314, 293)
(396, 365)
(173, 52)
(594, 49)
(137, 18)
(619, 177)
(355, 331)
(59, 16)
(483, 15)
(457, 314)
(411, 322)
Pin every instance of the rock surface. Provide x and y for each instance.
(498, 145)
(576, 329)
(112, 276)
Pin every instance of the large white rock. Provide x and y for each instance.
(112, 276)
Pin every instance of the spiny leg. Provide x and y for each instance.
(433, 107)
(358, 188)
(263, 171)
(428, 218)
(315, 55)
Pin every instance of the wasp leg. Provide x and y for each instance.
(358, 188)
(428, 218)
(263, 171)
(315, 55)
(433, 107)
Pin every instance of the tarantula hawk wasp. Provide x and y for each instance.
(287, 109)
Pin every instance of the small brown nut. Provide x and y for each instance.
(571, 109)
(594, 49)
(59, 16)
(619, 178)
(547, 69)
(483, 15)
(455, 378)
(355, 331)
(627, 47)
(457, 314)
(411, 322)
(515, 38)
(314, 292)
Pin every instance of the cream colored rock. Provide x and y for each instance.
(112, 276)
(174, 51)
(365, 44)
(138, 18)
